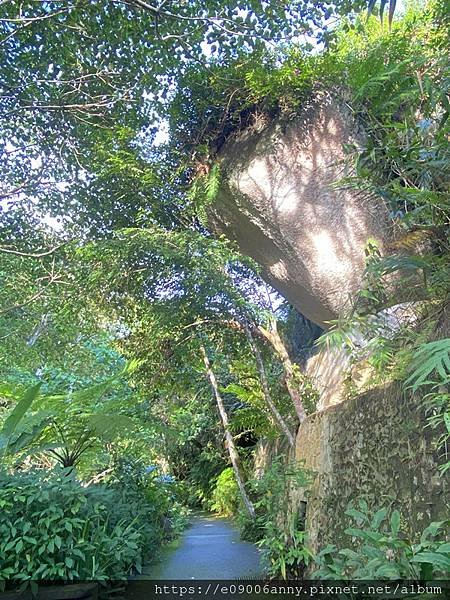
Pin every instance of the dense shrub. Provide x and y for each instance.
(225, 497)
(53, 528)
(153, 493)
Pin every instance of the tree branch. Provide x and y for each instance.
(33, 255)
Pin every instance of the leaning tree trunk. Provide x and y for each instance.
(277, 418)
(234, 456)
(272, 335)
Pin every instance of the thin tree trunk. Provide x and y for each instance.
(272, 335)
(234, 456)
(38, 330)
(277, 418)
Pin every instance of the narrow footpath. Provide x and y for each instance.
(209, 549)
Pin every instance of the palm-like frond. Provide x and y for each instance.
(429, 359)
(17, 414)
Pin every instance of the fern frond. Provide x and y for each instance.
(212, 183)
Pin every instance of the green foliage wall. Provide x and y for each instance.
(53, 528)
(225, 499)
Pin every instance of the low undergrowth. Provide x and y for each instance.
(379, 549)
(278, 530)
(54, 528)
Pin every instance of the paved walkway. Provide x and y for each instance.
(210, 549)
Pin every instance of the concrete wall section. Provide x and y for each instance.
(376, 447)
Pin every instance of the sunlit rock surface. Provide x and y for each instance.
(277, 201)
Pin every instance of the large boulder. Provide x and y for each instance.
(278, 202)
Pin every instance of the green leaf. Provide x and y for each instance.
(378, 518)
(431, 530)
(371, 536)
(359, 516)
(388, 571)
(110, 426)
(447, 421)
(437, 560)
(428, 359)
(17, 414)
(395, 522)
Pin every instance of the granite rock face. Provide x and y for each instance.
(278, 202)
